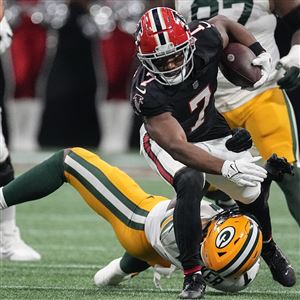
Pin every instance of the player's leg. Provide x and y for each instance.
(36, 183)
(116, 197)
(108, 190)
(12, 247)
(189, 187)
(269, 117)
(120, 269)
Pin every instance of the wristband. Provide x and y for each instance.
(256, 48)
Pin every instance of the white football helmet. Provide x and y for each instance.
(230, 284)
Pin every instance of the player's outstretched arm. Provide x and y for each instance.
(168, 133)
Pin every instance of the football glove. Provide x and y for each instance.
(263, 60)
(291, 63)
(240, 141)
(244, 172)
(5, 35)
(277, 167)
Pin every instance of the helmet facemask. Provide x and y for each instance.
(154, 63)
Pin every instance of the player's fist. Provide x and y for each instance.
(244, 172)
(240, 141)
(5, 35)
(264, 61)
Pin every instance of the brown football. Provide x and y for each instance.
(236, 65)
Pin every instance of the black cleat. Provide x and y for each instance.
(193, 287)
(278, 264)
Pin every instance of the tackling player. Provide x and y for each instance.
(183, 137)
(143, 223)
(266, 112)
(12, 247)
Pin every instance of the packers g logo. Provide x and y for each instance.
(225, 236)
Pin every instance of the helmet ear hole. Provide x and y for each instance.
(232, 244)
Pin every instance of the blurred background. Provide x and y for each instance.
(67, 74)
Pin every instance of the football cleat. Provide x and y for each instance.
(193, 287)
(111, 274)
(232, 243)
(13, 248)
(278, 264)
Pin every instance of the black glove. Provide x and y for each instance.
(291, 79)
(240, 141)
(277, 167)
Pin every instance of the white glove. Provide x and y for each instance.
(5, 35)
(244, 172)
(264, 60)
(292, 59)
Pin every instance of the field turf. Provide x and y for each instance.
(74, 243)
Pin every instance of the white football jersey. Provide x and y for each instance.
(159, 228)
(256, 16)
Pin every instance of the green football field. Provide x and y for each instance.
(74, 243)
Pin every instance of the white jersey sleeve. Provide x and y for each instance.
(254, 15)
(159, 228)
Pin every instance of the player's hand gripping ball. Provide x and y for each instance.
(236, 65)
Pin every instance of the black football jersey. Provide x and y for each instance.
(191, 102)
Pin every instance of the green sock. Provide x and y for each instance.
(38, 182)
(290, 185)
(130, 264)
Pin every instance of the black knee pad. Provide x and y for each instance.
(7, 173)
(190, 180)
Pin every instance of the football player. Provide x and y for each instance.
(12, 247)
(266, 112)
(183, 137)
(143, 223)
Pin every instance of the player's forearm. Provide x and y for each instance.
(238, 33)
(232, 31)
(195, 157)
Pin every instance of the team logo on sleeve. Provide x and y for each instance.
(138, 101)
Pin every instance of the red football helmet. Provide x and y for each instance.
(163, 36)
